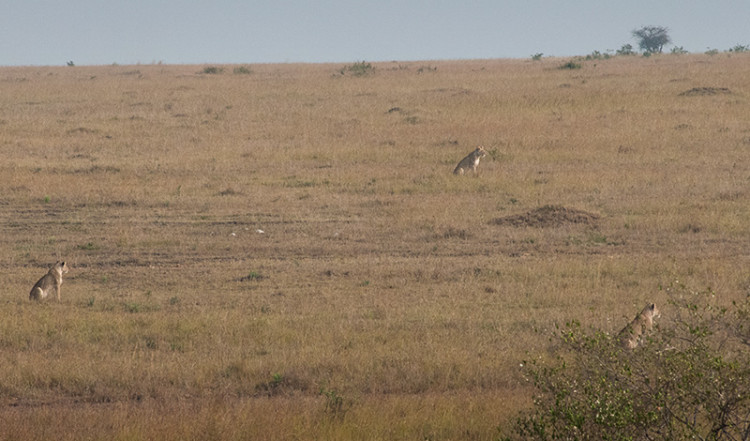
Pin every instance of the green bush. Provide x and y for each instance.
(678, 50)
(358, 69)
(242, 70)
(596, 55)
(690, 379)
(571, 65)
(626, 49)
(213, 70)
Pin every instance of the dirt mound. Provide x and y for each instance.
(700, 91)
(548, 216)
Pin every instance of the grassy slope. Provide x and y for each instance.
(383, 299)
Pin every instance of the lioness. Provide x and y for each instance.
(632, 335)
(51, 281)
(470, 162)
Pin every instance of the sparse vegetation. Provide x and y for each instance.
(626, 49)
(358, 69)
(212, 70)
(242, 70)
(284, 255)
(691, 379)
(423, 69)
(678, 50)
(596, 55)
(251, 276)
(572, 65)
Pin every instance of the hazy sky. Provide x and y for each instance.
(52, 32)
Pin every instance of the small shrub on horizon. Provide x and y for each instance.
(242, 70)
(537, 56)
(571, 65)
(212, 70)
(626, 49)
(678, 50)
(358, 69)
(596, 55)
(740, 48)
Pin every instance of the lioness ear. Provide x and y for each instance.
(652, 307)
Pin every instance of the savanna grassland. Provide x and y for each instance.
(282, 251)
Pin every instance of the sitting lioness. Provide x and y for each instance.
(470, 162)
(632, 335)
(49, 282)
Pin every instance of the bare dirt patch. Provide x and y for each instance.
(701, 91)
(549, 216)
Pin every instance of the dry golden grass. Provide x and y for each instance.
(384, 299)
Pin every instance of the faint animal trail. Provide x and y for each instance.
(49, 282)
(632, 335)
(470, 162)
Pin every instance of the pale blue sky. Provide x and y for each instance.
(52, 32)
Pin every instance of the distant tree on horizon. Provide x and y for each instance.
(652, 39)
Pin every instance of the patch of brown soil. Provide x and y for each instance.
(548, 216)
(700, 91)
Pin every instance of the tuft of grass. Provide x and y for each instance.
(88, 246)
(252, 276)
(335, 405)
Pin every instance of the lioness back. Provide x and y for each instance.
(633, 334)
